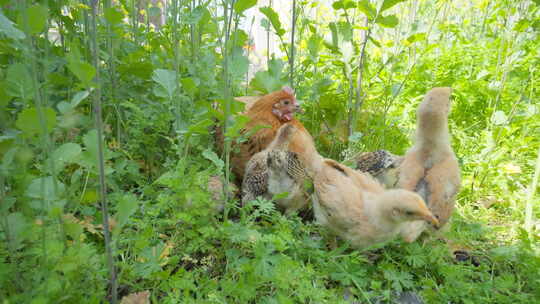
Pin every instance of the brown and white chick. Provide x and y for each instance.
(430, 166)
(355, 206)
(274, 171)
(380, 164)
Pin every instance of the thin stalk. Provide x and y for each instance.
(101, 161)
(268, 39)
(248, 52)
(353, 113)
(293, 31)
(228, 15)
(530, 195)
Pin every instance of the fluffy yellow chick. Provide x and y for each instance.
(355, 206)
(430, 166)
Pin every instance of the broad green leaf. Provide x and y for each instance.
(47, 188)
(189, 86)
(414, 38)
(37, 18)
(78, 97)
(66, 153)
(19, 81)
(334, 31)
(90, 141)
(200, 127)
(154, 11)
(388, 21)
(314, 45)
(28, 121)
(65, 107)
(241, 5)
(343, 4)
(83, 70)
(7, 203)
(8, 28)
(167, 80)
(365, 7)
(113, 15)
(126, 207)
(7, 161)
(387, 4)
(18, 225)
(271, 80)
(4, 96)
(212, 156)
(274, 19)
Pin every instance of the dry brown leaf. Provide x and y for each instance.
(137, 298)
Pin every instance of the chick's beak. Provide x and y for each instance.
(432, 220)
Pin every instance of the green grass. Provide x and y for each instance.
(159, 87)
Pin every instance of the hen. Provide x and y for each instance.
(357, 207)
(272, 110)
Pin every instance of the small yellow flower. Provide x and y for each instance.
(511, 168)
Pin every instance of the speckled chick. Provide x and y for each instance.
(274, 171)
(380, 164)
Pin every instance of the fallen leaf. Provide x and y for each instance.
(137, 298)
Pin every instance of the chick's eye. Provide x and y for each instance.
(409, 212)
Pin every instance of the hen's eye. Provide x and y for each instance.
(286, 102)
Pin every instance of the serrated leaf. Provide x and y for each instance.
(167, 80)
(19, 81)
(212, 156)
(46, 188)
(241, 5)
(8, 28)
(126, 207)
(28, 121)
(274, 19)
(387, 4)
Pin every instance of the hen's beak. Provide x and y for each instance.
(432, 220)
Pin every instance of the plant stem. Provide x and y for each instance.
(291, 59)
(530, 195)
(101, 161)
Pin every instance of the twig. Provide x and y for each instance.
(101, 161)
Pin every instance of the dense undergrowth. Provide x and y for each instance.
(158, 85)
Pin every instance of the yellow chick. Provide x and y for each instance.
(355, 206)
(430, 166)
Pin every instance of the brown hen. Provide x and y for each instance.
(271, 110)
